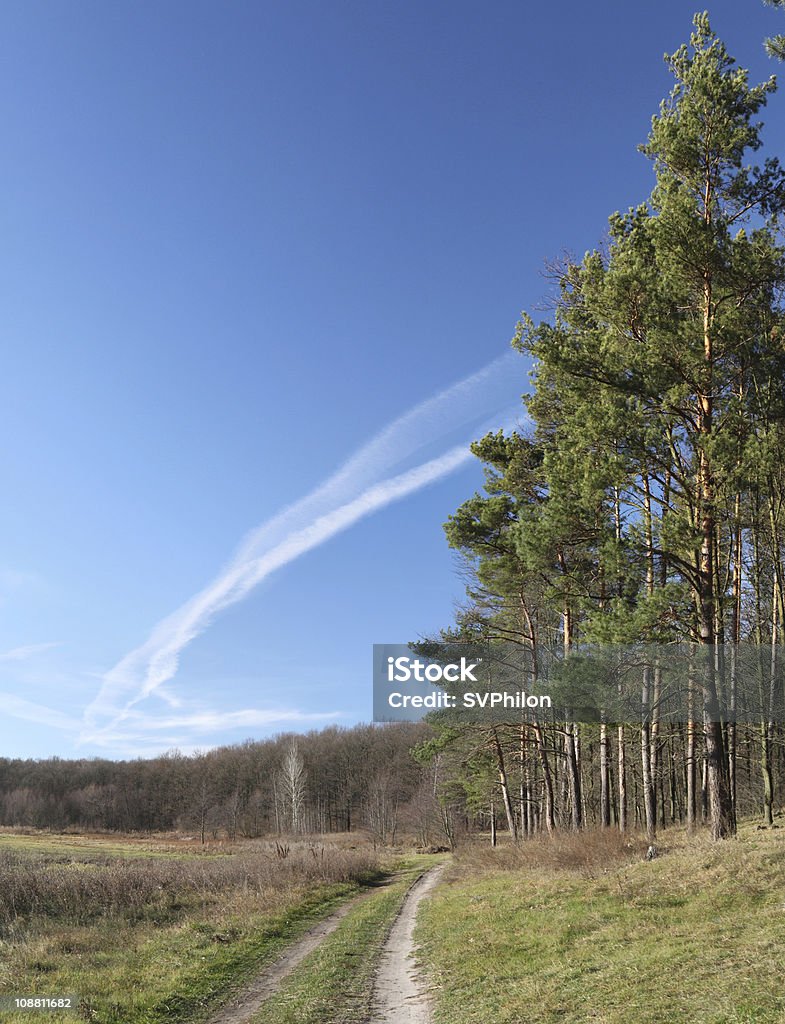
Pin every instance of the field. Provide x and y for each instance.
(570, 929)
(147, 932)
(584, 929)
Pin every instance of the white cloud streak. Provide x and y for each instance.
(213, 721)
(17, 707)
(28, 651)
(359, 488)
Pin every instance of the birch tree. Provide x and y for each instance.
(293, 781)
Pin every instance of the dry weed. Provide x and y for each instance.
(67, 888)
(588, 853)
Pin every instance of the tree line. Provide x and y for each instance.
(334, 780)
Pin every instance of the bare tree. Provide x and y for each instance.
(293, 786)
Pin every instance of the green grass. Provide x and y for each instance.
(695, 936)
(334, 984)
(86, 846)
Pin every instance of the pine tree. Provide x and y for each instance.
(775, 45)
(665, 346)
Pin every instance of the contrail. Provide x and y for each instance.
(18, 707)
(349, 495)
(28, 651)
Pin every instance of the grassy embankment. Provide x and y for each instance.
(146, 937)
(583, 929)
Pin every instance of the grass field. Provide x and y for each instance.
(584, 929)
(144, 936)
(105, 846)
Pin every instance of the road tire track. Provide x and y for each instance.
(247, 1002)
(399, 995)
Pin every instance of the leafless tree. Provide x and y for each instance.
(293, 785)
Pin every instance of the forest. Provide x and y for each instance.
(336, 780)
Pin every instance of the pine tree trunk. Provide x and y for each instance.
(605, 758)
(622, 771)
(573, 776)
(547, 778)
(647, 741)
(691, 775)
(649, 795)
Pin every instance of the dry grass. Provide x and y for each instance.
(588, 853)
(64, 887)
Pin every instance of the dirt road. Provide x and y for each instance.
(399, 995)
(247, 1002)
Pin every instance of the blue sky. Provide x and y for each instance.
(248, 244)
